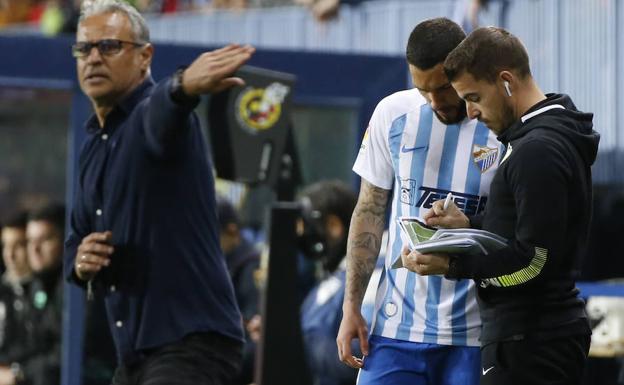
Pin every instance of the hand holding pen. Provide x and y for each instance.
(449, 199)
(446, 214)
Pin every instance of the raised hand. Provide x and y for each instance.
(212, 71)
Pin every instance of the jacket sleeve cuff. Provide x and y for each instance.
(73, 278)
(178, 98)
(459, 267)
(476, 221)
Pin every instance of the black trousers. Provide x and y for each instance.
(197, 359)
(558, 361)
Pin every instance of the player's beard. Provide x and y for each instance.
(507, 118)
(460, 114)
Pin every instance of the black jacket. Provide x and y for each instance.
(540, 200)
(17, 322)
(35, 343)
(43, 366)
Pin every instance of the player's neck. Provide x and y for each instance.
(527, 97)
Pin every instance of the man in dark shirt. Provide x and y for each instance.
(535, 330)
(144, 228)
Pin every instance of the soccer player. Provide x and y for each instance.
(420, 146)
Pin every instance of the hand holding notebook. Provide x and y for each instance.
(426, 239)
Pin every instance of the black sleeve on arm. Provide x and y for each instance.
(538, 175)
(166, 122)
(476, 221)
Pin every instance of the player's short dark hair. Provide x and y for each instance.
(53, 213)
(431, 41)
(485, 53)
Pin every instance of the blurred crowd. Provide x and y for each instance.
(31, 296)
(60, 16)
(31, 303)
(53, 16)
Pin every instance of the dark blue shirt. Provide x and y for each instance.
(147, 177)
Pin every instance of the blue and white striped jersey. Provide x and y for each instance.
(408, 150)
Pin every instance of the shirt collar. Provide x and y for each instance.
(125, 106)
(130, 101)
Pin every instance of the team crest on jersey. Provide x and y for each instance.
(484, 157)
(260, 108)
(408, 191)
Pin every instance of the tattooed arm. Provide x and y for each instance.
(365, 232)
(364, 242)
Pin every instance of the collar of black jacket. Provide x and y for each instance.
(512, 131)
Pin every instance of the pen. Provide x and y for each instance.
(449, 198)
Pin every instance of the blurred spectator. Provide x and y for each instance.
(327, 208)
(242, 4)
(53, 17)
(467, 13)
(14, 285)
(61, 16)
(37, 361)
(14, 11)
(241, 256)
(324, 10)
(168, 6)
(44, 234)
(243, 260)
(230, 4)
(14, 250)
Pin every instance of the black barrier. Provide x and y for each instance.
(280, 359)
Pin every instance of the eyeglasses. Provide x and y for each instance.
(106, 47)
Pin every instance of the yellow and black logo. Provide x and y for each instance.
(260, 108)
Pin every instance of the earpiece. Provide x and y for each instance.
(506, 84)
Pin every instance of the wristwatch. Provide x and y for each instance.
(177, 91)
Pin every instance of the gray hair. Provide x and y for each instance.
(98, 7)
